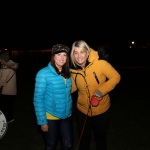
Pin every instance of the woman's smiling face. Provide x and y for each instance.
(60, 59)
(80, 56)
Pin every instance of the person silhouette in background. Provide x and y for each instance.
(9, 84)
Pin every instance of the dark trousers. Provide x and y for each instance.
(99, 125)
(59, 129)
(7, 105)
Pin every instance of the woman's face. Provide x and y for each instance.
(80, 56)
(60, 59)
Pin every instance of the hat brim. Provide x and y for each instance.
(60, 51)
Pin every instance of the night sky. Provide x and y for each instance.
(42, 27)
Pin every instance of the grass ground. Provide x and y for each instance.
(129, 127)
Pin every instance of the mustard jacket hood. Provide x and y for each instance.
(93, 55)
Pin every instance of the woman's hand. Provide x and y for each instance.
(44, 128)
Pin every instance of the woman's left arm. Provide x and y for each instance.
(112, 75)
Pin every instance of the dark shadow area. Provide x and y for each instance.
(129, 112)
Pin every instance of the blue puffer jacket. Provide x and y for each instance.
(52, 95)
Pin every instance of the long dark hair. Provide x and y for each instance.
(65, 68)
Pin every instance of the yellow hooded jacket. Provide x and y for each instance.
(85, 82)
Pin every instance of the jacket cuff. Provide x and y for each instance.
(98, 93)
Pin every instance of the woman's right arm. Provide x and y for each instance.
(39, 97)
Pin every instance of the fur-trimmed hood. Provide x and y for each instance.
(9, 64)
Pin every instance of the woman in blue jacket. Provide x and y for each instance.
(52, 99)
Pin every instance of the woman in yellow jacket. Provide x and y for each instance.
(92, 76)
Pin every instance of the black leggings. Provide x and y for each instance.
(59, 128)
(99, 125)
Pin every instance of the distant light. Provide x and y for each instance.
(130, 46)
(5, 49)
(132, 42)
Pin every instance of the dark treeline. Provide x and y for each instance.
(117, 56)
(129, 56)
(30, 63)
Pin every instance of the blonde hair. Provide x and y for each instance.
(82, 45)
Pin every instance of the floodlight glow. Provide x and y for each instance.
(132, 42)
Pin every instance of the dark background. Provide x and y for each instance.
(41, 25)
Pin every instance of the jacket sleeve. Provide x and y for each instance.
(113, 78)
(74, 88)
(4, 76)
(39, 97)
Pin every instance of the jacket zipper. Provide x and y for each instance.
(96, 77)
